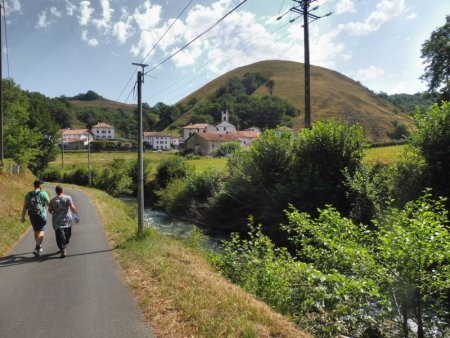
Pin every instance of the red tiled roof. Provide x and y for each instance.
(245, 133)
(197, 126)
(217, 137)
(155, 134)
(74, 131)
(103, 125)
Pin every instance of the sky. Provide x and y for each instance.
(67, 47)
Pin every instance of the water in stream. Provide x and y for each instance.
(177, 228)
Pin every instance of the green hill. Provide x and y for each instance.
(333, 95)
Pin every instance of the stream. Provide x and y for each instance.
(180, 229)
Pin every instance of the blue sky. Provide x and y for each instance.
(66, 47)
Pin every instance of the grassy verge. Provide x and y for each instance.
(12, 191)
(179, 293)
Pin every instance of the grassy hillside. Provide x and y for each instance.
(13, 189)
(333, 95)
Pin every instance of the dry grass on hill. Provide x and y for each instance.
(333, 95)
(12, 191)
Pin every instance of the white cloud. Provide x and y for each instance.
(369, 74)
(85, 13)
(149, 17)
(54, 11)
(12, 6)
(106, 15)
(122, 30)
(90, 41)
(45, 17)
(42, 20)
(70, 8)
(345, 6)
(385, 11)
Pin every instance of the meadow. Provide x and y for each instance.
(100, 160)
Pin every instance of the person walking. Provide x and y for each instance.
(63, 210)
(36, 203)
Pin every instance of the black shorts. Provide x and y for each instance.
(38, 223)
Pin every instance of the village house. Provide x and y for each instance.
(198, 128)
(157, 140)
(102, 131)
(205, 144)
(75, 138)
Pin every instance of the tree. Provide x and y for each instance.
(436, 55)
(413, 250)
(432, 138)
(270, 85)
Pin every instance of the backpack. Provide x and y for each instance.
(34, 206)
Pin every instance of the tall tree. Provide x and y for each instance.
(436, 55)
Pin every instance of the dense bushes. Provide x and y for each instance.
(343, 279)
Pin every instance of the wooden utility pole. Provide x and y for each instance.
(303, 9)
(140, 197)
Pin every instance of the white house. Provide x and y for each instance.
(157, 140)
(225, 126)
(76, 135)
(198, 128)
(103, 131)
(176, 141)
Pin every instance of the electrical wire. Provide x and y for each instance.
(154, 46)
(197, 37)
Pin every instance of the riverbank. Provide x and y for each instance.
(179, 293)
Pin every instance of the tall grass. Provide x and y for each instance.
(179, 293)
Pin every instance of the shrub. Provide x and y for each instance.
(53, 175)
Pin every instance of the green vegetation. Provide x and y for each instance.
(13, 188)
(436, 56)
(245, 110)
(343, 279)
(179, 293)
(334, 96)
(30, 131)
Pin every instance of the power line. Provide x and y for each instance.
(197, 37)
(154, 46)
(203, 68)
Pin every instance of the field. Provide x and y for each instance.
(100, 160)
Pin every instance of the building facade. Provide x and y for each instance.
(199, 128)
(103, 131)
(157, 140)
(76, 135)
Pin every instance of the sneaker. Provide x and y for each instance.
(63, 253)
(40, 249)
(36, 252)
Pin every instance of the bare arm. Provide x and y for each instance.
(73, 208)
(24, 210)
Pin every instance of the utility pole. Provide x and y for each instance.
(89, 162)
(140, 197)
(303, 9)
(2, 156)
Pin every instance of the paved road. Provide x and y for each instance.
(80, 296)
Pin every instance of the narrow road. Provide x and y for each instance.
(80, 296)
